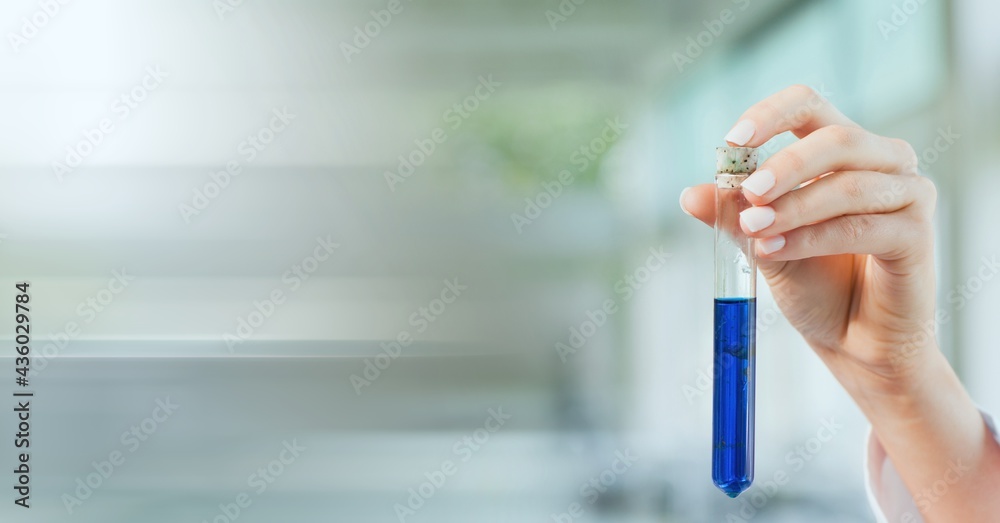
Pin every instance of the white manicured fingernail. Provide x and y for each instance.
(757, 218)
(742, 132)
(686, 189)
(759, 182)
(772, 244)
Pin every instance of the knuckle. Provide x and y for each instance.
(854, 228)
(925, 191)
(790, 160)
(798, 203)
(852, 187)
(792, 208)
(806, 102)
(908, 156)
(844, 136)
(809, 238)
(763, 111)
(922, 228)
(929, 186)
(914, 232)
(803, 91)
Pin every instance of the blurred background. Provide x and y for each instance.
(354, 261)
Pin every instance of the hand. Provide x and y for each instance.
(849, 259)
(849, 254)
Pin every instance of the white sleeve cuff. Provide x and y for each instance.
(887, 495)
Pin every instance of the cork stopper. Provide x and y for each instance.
(735, 160)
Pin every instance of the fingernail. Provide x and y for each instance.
(686, 189)
(742, 132)
(757, 218)
(772, 244)
(759, 182)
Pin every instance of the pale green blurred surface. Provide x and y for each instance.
(638, 384)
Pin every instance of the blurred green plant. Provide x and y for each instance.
(530, 138)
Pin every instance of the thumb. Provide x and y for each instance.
(699, 201)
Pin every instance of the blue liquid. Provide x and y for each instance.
(732, 417)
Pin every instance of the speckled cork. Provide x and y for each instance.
(735, 160)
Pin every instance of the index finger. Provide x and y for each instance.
(799, 108)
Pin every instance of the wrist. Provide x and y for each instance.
(906, 391)
(882, 374)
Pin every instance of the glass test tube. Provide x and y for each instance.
(735, 326)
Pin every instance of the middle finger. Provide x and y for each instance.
(831, 148)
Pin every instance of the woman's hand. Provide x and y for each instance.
(844, 240)
(849, 255)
